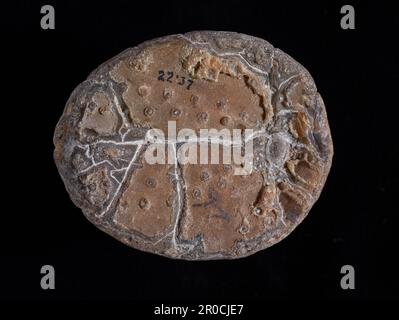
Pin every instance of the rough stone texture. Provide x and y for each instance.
(195, 212)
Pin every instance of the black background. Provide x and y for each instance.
(352, 223)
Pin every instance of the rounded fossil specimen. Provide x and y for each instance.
(199, 80)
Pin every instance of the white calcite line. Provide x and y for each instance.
(131, 163)
(227, 54)
(286, 81)
(123, 143)
(96, 164)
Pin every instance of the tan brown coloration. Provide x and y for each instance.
(201, 80)
(225, 201)
(97, 181)
(175, 56)
(99, 117)
(142, 207)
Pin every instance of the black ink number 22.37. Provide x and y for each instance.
(168, 76)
